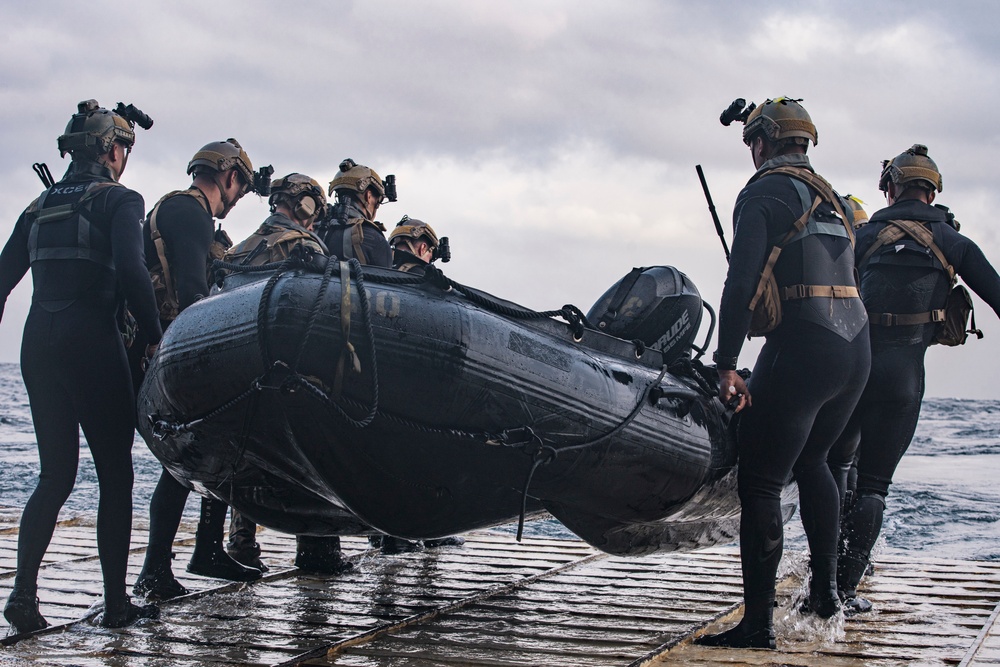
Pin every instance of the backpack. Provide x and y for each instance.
(952, 320)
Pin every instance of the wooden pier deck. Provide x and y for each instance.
(495, 602)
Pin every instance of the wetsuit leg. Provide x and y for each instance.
(843, 455)
(805, 386)
(108, 423)
(57, 433)
(92, 389)
(166, 507)
(888, 420)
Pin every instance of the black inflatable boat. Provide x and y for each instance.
(446, 410)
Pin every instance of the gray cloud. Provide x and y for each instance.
(555, 142)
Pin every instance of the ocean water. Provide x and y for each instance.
(944, 502)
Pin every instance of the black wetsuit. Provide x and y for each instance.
(187, 230)
(906, 279)
(374, 245)
(804, 385)
(73, 360)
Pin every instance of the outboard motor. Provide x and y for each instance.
(657, 305)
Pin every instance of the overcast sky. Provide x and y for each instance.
(554, 142)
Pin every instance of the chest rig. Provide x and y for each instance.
(828, 291)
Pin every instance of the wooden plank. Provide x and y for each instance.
(494, 602)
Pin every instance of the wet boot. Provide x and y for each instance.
(242, 545)
(120, 613)
(823, 599)
(451, 541)
(22, 612)
(156, 580)
(851, 567)
(209, 558)
(397, 545)
(320, 555)
(755, 630)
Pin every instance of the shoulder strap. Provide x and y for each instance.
(772, 259)
(43, 215)
(354, 236)
(157, 238)
(897, 229)
(823, 187)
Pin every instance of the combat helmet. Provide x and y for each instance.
(92, 129)
(782, 120)
(298, 189)
(411, 228)
(357, 178)
(913, 167)
(222, 156)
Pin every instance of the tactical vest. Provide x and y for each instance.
(272, 242)
(828, 287)
(163, 284)
(352, 238)
(893, 246)
(62, 224)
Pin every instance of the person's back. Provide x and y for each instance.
(297, 204)
(354, 232)
(791, 278)
(908, 256)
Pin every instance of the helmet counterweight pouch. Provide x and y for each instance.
(657, 305)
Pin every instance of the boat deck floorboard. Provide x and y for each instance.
(495, 602)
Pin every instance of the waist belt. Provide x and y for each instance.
(907, 319)
(793, 292)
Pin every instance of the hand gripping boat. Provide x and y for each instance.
(432, 409)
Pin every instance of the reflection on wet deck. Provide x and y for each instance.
(495, 602)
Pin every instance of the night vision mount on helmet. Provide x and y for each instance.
(224, 155)
(411, 228)
(911, 168)
(92, 129)
(357, 178)
(782, 120)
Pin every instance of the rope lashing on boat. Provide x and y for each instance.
(577, 321)
(545, 454)
(295, 378)
(278, 375)
(162, 428)
(705, 378)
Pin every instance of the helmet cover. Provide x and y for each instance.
(782, 119)
(911, 166)
(92, 130)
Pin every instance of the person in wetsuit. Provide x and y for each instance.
(415, 246)
(354, 232)
(810, 372)
(181, 242)
(297, 203)
(904, 285)
(82, 241)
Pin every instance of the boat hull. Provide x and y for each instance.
(241, 403)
